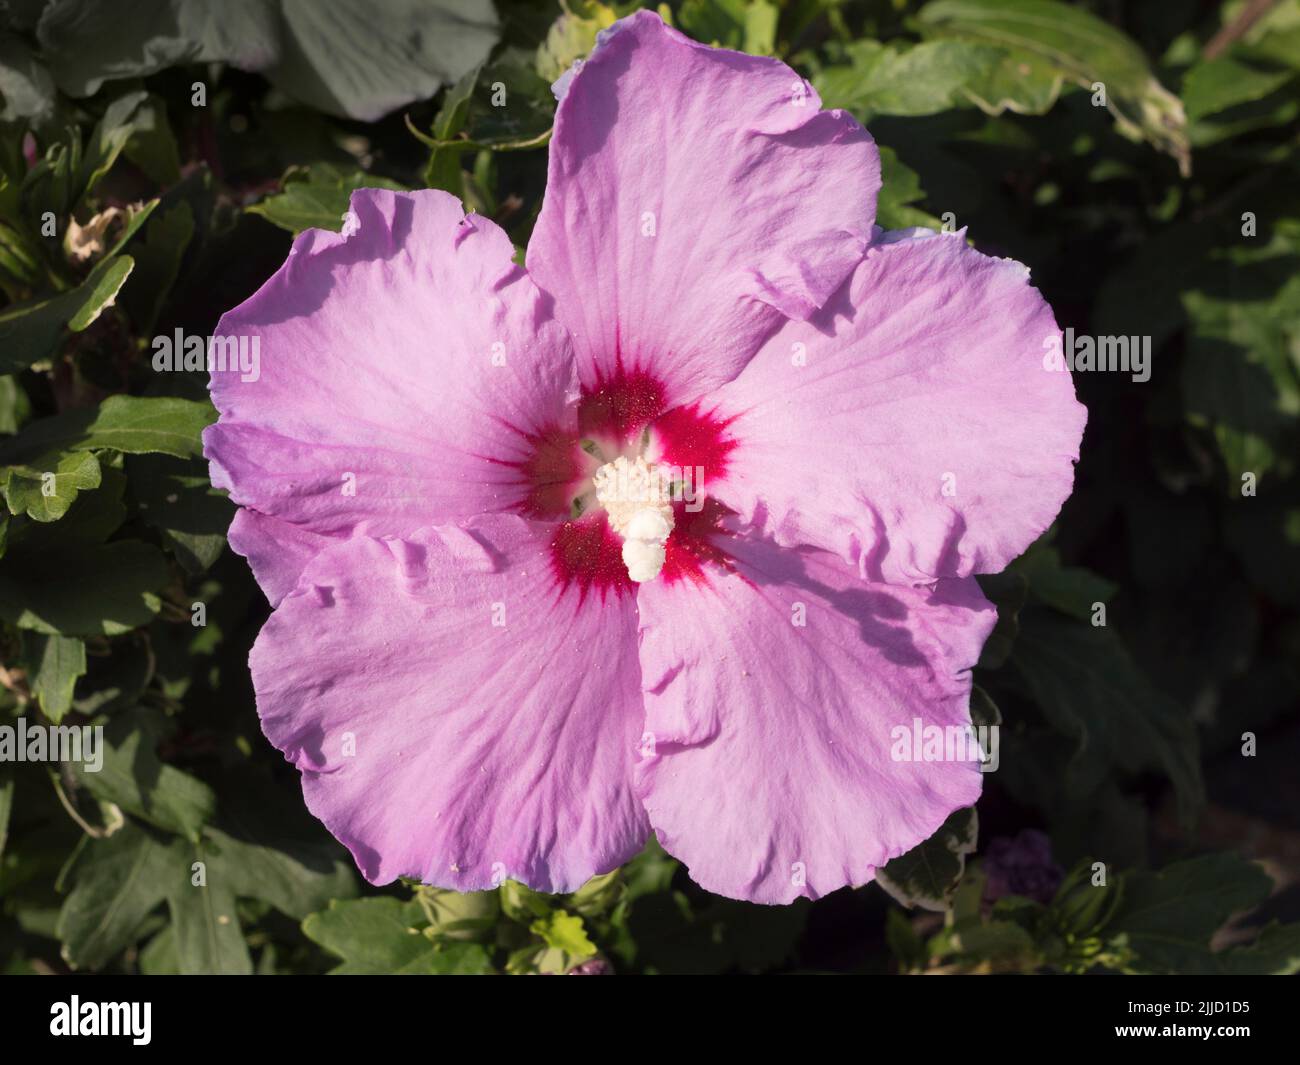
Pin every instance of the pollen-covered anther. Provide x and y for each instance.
(637, 499)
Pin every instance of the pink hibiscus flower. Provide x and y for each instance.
(668, 532)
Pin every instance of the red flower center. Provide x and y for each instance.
(627, 413)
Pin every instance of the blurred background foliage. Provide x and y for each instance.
(1141, 158)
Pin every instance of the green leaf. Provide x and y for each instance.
(104, 590)
(1070, 589)
(1214, 85)
(907, 947)
(31, 332)
(131, 424)
(152, 147)
(745, 25)
(269, 850)
(1008, 591)
(108, 139)
(316, 197)
(761, 19)
(898, 79)
(1169, 917)
(116, 681)
(413, 49)
(204, 919)
(385, 936)
(1275, 952)
(14, 405)
(135, 779)
(191, 516)
(339, 58)
(51, 184)
(1241, 376)
(573, 35)
(1083, 48)
(26, 89)
(1022, 82)
(45, 487)
(158, 957)
(54, 664)
(443, 171)
(19, 262)
(91, 519)
(899, 189)
(564, 931)
(138, 425)
(928, 874)
(158, 260)
(532, 105)
(120, 880)
(521, 903)
(598, 894)
(88, 43)
(1149, 288)
(994, 939)
(651, 872)
(373, 935)
(1091, 692)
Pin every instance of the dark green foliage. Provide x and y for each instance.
(1142, 159)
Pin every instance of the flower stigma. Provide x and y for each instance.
(637, 501)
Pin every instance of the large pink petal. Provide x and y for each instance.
(773, 687)
(694, 196)
(407, 372)
(494, 715)
(911, 426)
(277, 551)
